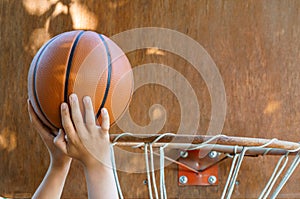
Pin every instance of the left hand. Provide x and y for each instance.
(57, 157)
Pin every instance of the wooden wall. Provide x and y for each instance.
(255, 45)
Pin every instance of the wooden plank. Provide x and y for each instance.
(255, 45)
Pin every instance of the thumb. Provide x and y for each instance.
(60, 142)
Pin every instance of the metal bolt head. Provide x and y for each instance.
(212, 180)
(183, 179)
(145, 181)
(184, 154)
(213, 154)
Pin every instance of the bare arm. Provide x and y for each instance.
(88, 143)
(52, 185)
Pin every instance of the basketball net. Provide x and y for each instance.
(235, 148)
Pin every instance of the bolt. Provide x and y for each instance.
(145, 182)
(184, 154)
(213, 154)
(183, 179)
(212, 180)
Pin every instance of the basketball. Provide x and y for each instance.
(81, 62)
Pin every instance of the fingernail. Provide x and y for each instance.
(87, 99)
(63, 106)
(104, 111)
(73, 97)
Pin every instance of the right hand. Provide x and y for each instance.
(86, 141)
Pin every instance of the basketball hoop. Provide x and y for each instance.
(236, 148)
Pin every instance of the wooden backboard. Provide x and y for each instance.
(254, 44)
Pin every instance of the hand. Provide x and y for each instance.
(86, 141)
(57, 157)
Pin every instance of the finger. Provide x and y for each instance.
(66, 121)
(105, 120)
(42, 129)
(89, 112)
(60, 142)
(75, 111)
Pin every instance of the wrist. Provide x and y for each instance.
(100, 181)
(60, 163)
(90, 162)
(97, 171)
(96, 165)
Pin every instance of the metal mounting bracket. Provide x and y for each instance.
(199, 167)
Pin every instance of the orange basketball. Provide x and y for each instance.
(81, 62)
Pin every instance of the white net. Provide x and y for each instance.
(236, 148)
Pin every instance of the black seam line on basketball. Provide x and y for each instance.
(70, 65)
(108, 76)
(34, 81)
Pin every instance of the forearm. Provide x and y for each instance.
(100, 182)
(52, 185)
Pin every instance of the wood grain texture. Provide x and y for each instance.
(255, 45)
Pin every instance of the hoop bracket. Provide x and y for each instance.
(205, 162)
